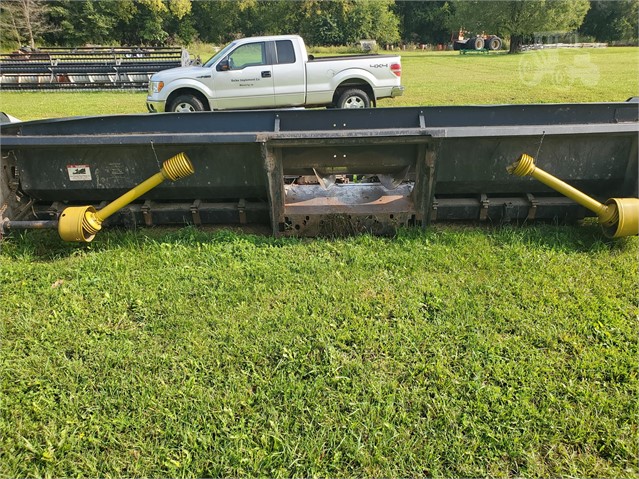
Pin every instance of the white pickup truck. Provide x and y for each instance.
(275, 72)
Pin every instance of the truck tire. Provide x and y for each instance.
(353, 98)
(186, 104)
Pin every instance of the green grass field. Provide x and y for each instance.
(459, 351)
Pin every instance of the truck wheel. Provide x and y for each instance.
(353, 98)
(186, 104)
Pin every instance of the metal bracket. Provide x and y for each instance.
(14, 179)
(433, 214)
(146, 212)
(272, 160)
(485, 203)
(4, 222)
(241, 209)
(506, 215)
(532, 211)
(195, 213)
(55, 209)
(424, 188)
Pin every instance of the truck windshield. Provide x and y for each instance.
(221, 54)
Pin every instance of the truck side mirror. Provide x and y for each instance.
(223, 65)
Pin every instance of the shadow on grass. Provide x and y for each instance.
(47, 246)
(586, 237)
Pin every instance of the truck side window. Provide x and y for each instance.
(251, 54)
(285, 51)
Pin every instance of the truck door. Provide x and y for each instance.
(244, 79)
(289, 75)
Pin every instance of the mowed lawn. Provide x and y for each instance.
(430, 78)
(456, 351)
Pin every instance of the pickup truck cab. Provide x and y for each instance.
(275, 72)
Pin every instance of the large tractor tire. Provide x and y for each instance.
(493, 43)
(476, 43)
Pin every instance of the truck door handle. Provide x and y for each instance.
(266, 74)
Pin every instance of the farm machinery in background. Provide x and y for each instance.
(482, 42)
(95, 68)
(406, 166)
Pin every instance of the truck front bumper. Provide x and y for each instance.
(397, 91)
(155, 106)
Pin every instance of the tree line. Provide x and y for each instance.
(321, 22)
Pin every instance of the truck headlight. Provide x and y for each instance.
(155, 87)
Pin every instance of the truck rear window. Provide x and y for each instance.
(285, 51)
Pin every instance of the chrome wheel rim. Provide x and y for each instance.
(354, 102)
(184, 108)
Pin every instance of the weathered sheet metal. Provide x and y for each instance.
(404, 165)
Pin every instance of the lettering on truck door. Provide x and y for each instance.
(289, 75)
(248, 82)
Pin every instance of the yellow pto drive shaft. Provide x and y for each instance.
(81, 223)
(618, 216)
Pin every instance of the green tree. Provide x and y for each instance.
(23, 21)
(120, 22)
(274, 17)
(519, 19)
(81, 22)
(424, 22)
(216, 22)
(10, 31)
(146, 26)
(372, 19)
(342, 22)
(321, 22)
(612, 21)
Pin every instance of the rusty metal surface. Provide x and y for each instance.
(371, 198)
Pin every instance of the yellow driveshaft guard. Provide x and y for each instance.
(81, 223)
(618, 216)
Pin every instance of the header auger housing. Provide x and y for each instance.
(322, 172)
